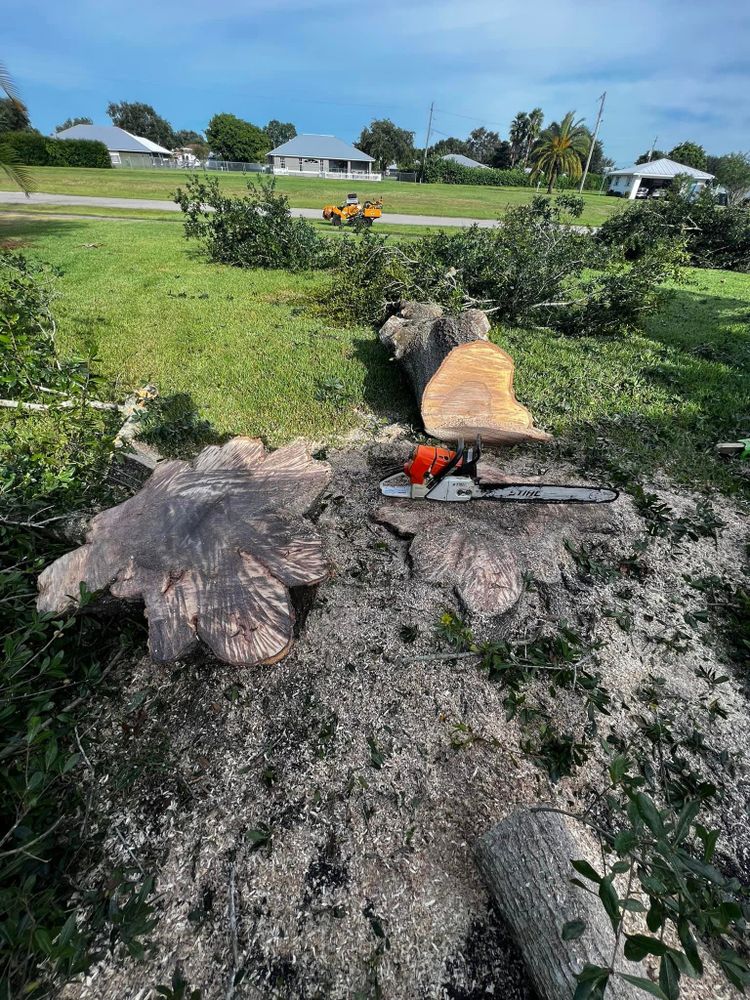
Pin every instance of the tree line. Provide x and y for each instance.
(547, 152)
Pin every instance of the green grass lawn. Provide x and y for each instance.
(253, 350)
(453, 200)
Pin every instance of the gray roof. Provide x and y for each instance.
(464, 161)
(662, 168)
(320, 147)
(117, 140)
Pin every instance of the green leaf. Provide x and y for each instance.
(585, 869)
(690, 810)
(618, 768)
(735, 969)
(609, 898)
(625, 841)
(620, 867)
(649, 813)
(669, 977)
(592, 980)
(688, 943)
(572, 929)
(644, 984)
(637, 946)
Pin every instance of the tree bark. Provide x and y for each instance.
(526, 863)
(463, 382)
(212, 547)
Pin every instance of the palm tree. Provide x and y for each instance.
(560, 150)
(8, 162)
(518, 135)
(536, 118)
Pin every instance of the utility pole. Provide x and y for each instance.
(427, 140)
(602, 99)
(653, 147)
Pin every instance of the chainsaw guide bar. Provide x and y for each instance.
(448, 476)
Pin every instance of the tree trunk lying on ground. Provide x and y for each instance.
(462, 381)
(211, 547)
(526, 863)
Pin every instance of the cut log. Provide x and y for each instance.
(211, 547)
(525, 861)
(462, 381)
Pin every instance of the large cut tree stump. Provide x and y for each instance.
(483, 549)
(211, 547)
(462, 381)
(525, 861)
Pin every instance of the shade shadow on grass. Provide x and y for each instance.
(385, 389)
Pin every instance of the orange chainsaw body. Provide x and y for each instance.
(428, 461)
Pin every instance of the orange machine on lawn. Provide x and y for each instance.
(353, 213)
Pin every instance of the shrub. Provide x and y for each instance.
(442, 171)
(715, 237)
(36, 150)
(52, 667)
(256, 230)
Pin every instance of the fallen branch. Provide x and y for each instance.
(66, 404)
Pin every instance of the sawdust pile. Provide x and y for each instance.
(311, 823)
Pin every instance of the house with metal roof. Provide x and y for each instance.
(125, 150)
(322, 156)
(643, 180)
(463, 161)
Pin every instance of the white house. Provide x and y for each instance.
(463, 161)
(125, 150)
(322, 156)
(643, 179)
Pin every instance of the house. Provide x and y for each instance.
(463, 161)
(322, 156)
(125, 150)
(643, 180)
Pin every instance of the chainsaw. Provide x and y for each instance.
(439, 474)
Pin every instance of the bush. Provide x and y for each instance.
(442, 171)
(532, 270)
(53, 923)
(715, 237)
(36, 150)
(256, 230)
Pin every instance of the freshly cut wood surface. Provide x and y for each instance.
(472, 393)
(463, 382)
(211, 547)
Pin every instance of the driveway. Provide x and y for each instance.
(18, 198)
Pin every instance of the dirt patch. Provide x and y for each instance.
(311, 823)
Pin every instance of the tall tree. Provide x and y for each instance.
(535, 122)
(279, 132)
(70, 122)
(518, 134)
(13, 114)
(502, 156)
(387, 143)
(690, 154)
(733, 173)
(141, 119)
(8, 161)
(560, 150)
(450, 145)
(656, 154)
(482, 144)
(233, 138)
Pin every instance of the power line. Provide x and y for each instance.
(602, 99)
(471, 118)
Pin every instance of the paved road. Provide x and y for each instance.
(18, 198)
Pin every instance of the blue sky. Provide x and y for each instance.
(674, 69)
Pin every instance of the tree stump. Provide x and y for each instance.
(525, 861)
(212, 547)
(482, 549)
(462, 381)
